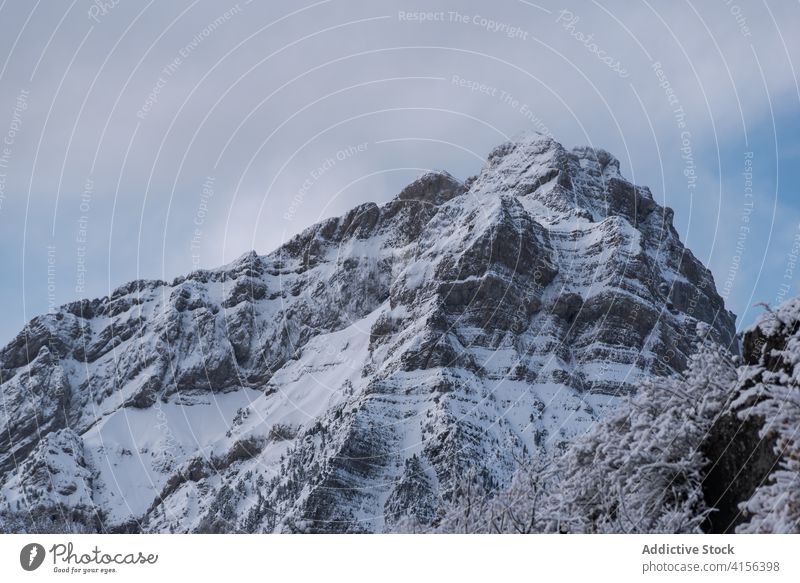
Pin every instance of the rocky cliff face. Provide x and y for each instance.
(752, 480)
(344, 380)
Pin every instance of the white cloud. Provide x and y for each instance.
(337, 74)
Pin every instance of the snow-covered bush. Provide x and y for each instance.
(641, 468)
(772, 378)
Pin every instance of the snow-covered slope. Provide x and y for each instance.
(346, 379)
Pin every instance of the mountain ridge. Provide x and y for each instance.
(345, 379)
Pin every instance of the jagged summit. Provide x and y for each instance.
(582, 184)
(434, 187)
(346, 379)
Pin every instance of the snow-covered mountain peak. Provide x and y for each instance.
(433, 187)
(346, 379)
(566, 186)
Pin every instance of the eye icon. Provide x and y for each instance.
(31, 556)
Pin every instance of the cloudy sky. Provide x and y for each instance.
(144, 139)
